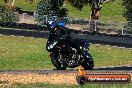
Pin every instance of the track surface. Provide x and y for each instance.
(95, 39)
(54, 76)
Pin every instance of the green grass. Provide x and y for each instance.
(26, 53)
(23, 53)
(1, 2)
(108, 56)
(46, 85)
(24, 5)
(111, 11)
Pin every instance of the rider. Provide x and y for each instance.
(59, 31)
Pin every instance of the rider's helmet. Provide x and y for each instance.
(51, 24)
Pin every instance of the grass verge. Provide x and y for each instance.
(27, 53)
(46, 85)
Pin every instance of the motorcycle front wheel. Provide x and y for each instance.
(55, 61)
(88, 65)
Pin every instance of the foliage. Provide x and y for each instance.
(128, 9)
(51, 8)
(7, 15)
(128, 14)
(128, 27)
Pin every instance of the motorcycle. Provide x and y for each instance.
(63, 55)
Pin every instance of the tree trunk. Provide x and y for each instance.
(13, 3)
(10, 4)
(94, 16)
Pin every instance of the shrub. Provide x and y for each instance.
(128, 9)
(7, 15)
(128, 14)
(50, 8)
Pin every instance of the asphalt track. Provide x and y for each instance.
(127, 69)
(118, 41)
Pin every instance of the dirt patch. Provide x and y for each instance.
(24, 18)
(75, 26)
(69, 78)
(52, 78)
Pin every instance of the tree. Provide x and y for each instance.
(7, 15)
(10, 3)
(128, 14)
(50, 8)
(127, 9)
(95, 6)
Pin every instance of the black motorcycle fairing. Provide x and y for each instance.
(58, 34)
(52, 41)
(50, 45)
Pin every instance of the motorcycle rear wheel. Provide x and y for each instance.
(55, 61)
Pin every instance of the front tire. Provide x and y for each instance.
(55, 61)
(88, 64)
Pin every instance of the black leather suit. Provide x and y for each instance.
(76, 43)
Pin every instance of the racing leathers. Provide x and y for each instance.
(60, 32)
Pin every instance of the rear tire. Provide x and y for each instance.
(88, 65)
(55, 61)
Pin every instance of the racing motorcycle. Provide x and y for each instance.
(63, 55)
